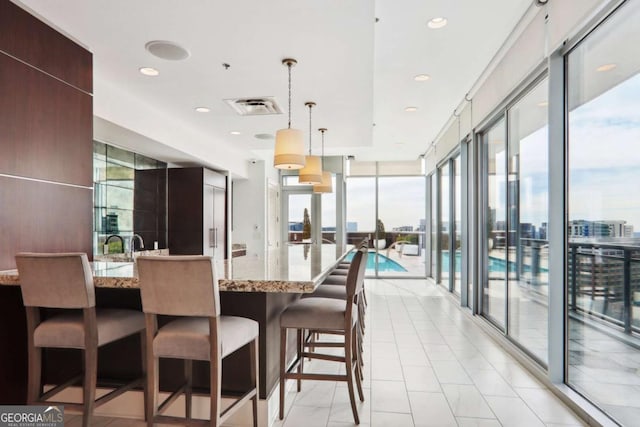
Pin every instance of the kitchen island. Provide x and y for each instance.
(259, 288)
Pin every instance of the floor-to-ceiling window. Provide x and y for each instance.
(603, 259)
(444, 203)
(401, 207)
(386, 205)
(299, 217)
(361, 212)
(528, 212)
(434, 226)
(494, 283)
(456, 226)
(515, 274)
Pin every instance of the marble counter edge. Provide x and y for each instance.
(10, 278)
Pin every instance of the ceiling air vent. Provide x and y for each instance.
(257, 106)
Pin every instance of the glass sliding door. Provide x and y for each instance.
(299, 218)
(494, 285)
(435, 221)
(456, 250)
(603, 248)
(444, 204)
(528, 189)
(401, 208)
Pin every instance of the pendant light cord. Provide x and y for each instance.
(322, 132)
(289, 67)
(310, 107)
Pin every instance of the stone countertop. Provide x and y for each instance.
(296, 268)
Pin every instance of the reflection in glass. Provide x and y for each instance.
(445, 226)
(603, 259)
(457, 225)
(125, 201)
(494, 284)
(434, 226)
(528, 215)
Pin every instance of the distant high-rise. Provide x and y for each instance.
(584, 228)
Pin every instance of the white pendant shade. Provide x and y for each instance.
(327, 184)
(311, 173)
(289, 149)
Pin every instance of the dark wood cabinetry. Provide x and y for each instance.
(197, 212)
(46, 189)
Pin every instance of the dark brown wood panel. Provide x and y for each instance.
(46, 127)
(32, 41)
(13, 351)
(42, 217)
(150, 206)
(185, 211)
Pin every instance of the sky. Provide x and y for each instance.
(604, 172)
(401, 202)
(604, 156)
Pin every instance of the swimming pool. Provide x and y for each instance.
(384, 263)
(497, 265)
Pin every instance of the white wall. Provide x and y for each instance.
(250, 208)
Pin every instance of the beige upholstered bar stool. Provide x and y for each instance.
(337, 290)
(64, 281)
(324, 315)
(186, 287)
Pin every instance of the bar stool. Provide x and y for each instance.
(325, 315)
(337, 290)
(64, 281)
(186, 287)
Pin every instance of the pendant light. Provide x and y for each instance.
(326, 186)
(289, 148)
(311, 173)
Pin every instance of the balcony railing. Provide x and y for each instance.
(604, 280)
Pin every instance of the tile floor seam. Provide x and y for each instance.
(475, 387)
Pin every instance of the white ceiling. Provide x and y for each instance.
(357, 71)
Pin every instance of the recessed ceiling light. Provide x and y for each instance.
(606, 67)
(264, 136)
(436, 23)
(543, 104)
(202, 109)
(422, 77)
(149, 71)
(411, 109)
(234, 132)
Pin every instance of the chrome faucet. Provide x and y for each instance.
(133, 238)
(106, 241)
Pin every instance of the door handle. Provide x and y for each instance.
(211, 238)
(215, 239)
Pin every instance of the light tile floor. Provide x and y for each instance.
(426, 364)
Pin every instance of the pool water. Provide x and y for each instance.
(497, 265)
(384, 263)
